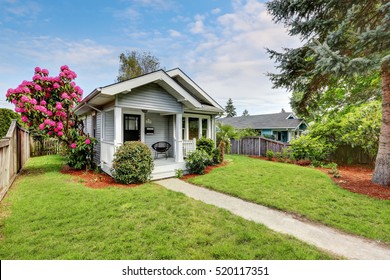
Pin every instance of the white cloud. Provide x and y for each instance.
(174, 33)
(197, 27)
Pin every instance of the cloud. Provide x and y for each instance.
(197, 27)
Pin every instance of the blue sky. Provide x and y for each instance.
(220, 44)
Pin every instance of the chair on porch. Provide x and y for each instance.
(161, 147)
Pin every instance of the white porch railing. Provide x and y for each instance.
(107, 151)
(189, 146)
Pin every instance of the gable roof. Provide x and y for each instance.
(283, 120)
(175, 82)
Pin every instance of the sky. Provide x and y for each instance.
(220, 44)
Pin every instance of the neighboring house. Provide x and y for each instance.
(283, 126)
(159, 106)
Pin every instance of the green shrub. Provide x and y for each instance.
(216, 156)
(206, 145)
(80, 153)
(270, 154)
(309, 148)
(197, 162)
(133, 163)
(6, 117)
(279, 156)
(179, 173)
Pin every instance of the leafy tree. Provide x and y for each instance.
(230, 110)
(341, 39)
(245, 113)
(6, 117)
(134, 64)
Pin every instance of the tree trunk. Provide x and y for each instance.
(382, 164)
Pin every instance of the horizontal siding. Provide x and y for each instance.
(109, 126)
(150, 97)
(98, 137)
(161, 130)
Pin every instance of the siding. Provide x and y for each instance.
(98, 137)
(161, 130)
(108, 134)
(150, 97)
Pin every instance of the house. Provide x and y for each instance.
(159, 106)
(283, 126)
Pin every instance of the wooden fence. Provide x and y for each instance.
(40, 146)
(255, 146)
(14, 152)
(351, 155)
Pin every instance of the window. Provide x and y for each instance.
(193, 128)
(204, 127)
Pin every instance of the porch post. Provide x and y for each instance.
(200, 128)
(118, 127)
(179, 138)
(186, 128)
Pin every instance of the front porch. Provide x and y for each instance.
(166, 168)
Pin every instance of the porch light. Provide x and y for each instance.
(148, 121)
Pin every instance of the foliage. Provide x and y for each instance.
(6, 117)
(197, 162)
(309, 148)
(221, 148)
(205, 144)
(246, 132)
(133, 163)
(342, 39)
(224, 133)
(134, 64)
(179, 173)
(216, 156)
(81, 152)
(245, 113)
(230, 110)
(270, 154)
(303, 191)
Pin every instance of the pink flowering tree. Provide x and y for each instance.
(46, 105)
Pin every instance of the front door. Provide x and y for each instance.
(131, 128)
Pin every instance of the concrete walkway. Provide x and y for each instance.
(328, 239)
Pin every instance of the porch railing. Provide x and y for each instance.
(189, 146)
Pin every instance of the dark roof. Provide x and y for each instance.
(267, 121)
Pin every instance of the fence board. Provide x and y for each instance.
(255, 146)
(14, 152)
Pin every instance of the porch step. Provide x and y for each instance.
(168, 170)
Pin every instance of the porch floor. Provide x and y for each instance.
(166, 168)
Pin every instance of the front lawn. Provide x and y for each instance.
(47, 215)
(301, 190)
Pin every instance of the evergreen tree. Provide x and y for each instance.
(134, 64)
(342, 39)
(230, 110)
(245, 113)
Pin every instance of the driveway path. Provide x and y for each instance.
(328, 239)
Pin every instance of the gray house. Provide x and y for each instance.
(283, 126)
(159, 106)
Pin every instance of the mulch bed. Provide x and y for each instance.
(356, 179)
(94, 180)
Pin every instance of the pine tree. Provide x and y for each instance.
(342, 39)
(230, 110)
(245, 113)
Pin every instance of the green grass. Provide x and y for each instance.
(47, 215)
(301, 190)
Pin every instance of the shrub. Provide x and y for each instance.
(269, 154)
(309, 148)
(6, 117)
(80, 152)
(179, 173)
(216, 156)
(206, 145)
(279, 156)
(133, 163)
(197, 162)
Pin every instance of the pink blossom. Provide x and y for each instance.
(60, 133)
(42, 126)
(64, 67)
(52, 123)
(37, 69)
(73, 145)
(60, 125)
(49, 113)
(56, 86)
(38, 87)
(47, 122)
(25, 99)
(50, 133)
(45, 72)
(24, 119)
(64, 95)
(43, 102)
(33, 101)
(87, 141)
(37, 77)
(73, 95)
(21, 104)
(59, 106)
(14, 101)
